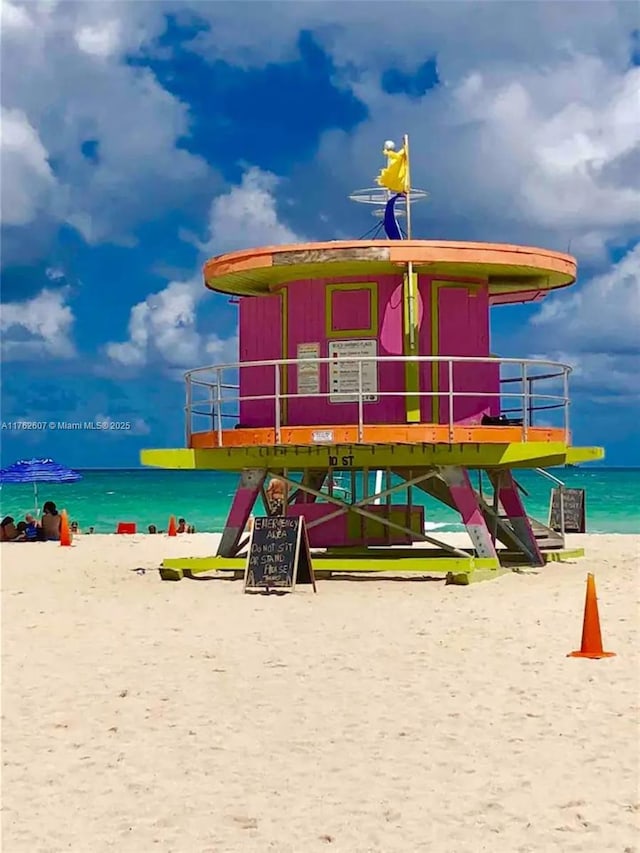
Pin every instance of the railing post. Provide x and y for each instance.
(276, 391)
(360, 402)
(565, 374)
(450, 371)
(525, 400)
(219, 406)
(188, 406)
(562, 510)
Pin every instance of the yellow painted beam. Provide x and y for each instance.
(299, 458)
(411, 346)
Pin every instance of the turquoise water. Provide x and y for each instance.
(149, 496)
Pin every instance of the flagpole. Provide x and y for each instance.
(407, 185)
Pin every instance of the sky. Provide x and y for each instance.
(140, 138)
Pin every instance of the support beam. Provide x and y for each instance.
(357, 508)
(509, 497)
(438, 489)
(310, 477)
(249, 487)
(466, 502)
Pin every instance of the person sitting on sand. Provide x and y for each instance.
(182, 526)
(21, 526)
(277, 494)
(152, 528)
(50, 522)
(8, 529)
(74, 527)
(33, 530)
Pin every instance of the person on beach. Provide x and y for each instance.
(50, 522)
(277, 495)
(32, 528)
(8, 529)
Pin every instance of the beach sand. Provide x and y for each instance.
(374, 717)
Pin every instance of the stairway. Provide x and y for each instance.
(546, 537)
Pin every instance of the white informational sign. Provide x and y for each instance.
(343, 375)
(308, 373)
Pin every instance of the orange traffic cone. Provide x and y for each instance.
(65, 533)
(591, 646)
(172, 531)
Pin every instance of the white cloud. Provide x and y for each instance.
(66, 72)
(164, 326)
(102, 40)
(602, 316)
(598, 327)
(532, 136)
(37, 328)
(246, 216)
(27, 179)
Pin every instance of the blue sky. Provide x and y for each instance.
(140, 138)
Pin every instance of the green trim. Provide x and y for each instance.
(372, 329)
(411, 368)
(533, 454)
(420, 562)
(458, 570)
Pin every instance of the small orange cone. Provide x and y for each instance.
(172, 531)
(591, 646)
(65, 533)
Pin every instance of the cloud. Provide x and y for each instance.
(164, 328)
(532, 135)
(598, 330)
(27, 179)
(603, 316)
(37, 328)
(113, 134)
(247, 216)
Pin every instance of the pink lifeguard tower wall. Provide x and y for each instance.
(453, 315)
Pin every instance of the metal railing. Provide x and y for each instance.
(519, 401)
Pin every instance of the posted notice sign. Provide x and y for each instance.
(279, 555)
(308, 369)
(344, 375)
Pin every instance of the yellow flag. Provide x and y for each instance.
(395, 176)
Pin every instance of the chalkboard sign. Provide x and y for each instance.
(574, 511)
(279, 555)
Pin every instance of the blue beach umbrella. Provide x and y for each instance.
(38, 471)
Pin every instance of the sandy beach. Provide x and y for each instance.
(374, 717)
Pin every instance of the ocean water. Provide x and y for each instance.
(149, 496)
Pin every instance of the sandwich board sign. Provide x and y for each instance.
(278, 556)
(573, 509)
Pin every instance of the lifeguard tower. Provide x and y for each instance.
(369, 363)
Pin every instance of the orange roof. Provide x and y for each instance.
(510, 270)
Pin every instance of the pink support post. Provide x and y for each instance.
(466, 502)
(251, 482)
(509, 497)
